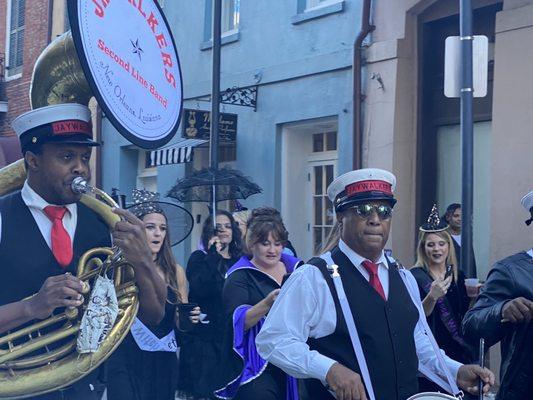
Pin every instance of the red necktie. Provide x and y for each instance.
(374, 281)
(61, 244)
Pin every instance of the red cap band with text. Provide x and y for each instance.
(71, 127)
(369, 186)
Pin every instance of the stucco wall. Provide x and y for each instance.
(390, 118)
(270, 46)
(303, 71)
(512, 162)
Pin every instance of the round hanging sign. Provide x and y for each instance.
(130, 60)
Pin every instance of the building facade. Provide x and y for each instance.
(411, 128)
(297, 56)
(295, 59)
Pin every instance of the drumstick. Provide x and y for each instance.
(482, 365)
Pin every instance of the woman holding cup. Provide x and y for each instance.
(145, 365)
(443, 292)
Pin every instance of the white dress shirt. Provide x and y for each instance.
(530, 252)
(305, 308)
(36, 204)
(457, 238)
(357, 260)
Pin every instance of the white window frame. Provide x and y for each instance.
(227, 16)
(327, 158)
(8, 75)
(144, 173)
(311, 5)
(224, 18)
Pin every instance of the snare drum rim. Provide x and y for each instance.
(431, 396)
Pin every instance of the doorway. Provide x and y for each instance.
(309, 165)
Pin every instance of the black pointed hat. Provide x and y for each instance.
(434, 223)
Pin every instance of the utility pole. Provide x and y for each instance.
(467, 135)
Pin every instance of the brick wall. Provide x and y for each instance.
(36, 38)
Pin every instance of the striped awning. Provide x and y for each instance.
(179, 153)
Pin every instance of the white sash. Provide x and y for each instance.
(147, 341)
(449, 386)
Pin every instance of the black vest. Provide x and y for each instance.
(26, 262)
(26, 259)
(386, 330)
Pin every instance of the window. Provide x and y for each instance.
(323, 163)
(16, 37)
(308, 10)
(316, 3)
(321, 176)
(326, 141)
(229, 23)
(230, 16)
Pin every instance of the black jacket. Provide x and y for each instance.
(509, 278)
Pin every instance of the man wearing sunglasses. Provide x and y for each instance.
(305, 332)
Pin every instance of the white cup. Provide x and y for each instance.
(472, 287)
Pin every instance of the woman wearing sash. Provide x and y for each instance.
(145, 366)
(251, 287)
(442, 288)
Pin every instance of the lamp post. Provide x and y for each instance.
(215, 99)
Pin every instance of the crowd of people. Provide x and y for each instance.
(247, 317)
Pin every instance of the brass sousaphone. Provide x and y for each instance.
(58, 78)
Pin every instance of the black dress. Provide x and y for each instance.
(445, 320)
(201, 348)
(246, 376)
(135, 374)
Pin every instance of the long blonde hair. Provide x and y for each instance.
(422, 258)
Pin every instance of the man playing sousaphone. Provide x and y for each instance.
(44, 230)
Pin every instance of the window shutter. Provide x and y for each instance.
(16, 36)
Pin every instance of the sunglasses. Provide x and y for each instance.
(365, 210)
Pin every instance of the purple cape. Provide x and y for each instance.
(244, 340)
